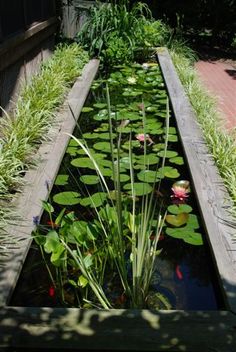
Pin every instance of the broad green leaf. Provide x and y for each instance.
(52, 242)
(61, 180)
(103, 146)
(178, 209)
(89, 179)
(99, 105)
(167, 154)
(87, 109)
(82, 281)
(95, 200)
(177, 220)
(140, 189)
(47, 207)
(177, 160)
(148, 176)
(67, 198)
(169, 172)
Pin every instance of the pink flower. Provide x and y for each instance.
(179, 193)
(141, 138)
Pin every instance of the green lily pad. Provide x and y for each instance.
(103, 146)
(89, 179)
(149, 159)
(177, 220)
(99, 105)
(177, 160)
(67, 198)
(95, 200)
(90, 135)
(85, 162)
(61, 180)
(193, 222)
(169, 172)
(106, 136)
(186, 234)
(122, 178)
(87, 109)
(140, 189)
(168, 154)
(157, 147)
(134, 144)
(178, 209)
(148, 176)
(172, 138)
(72, 150)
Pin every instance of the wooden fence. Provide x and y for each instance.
(27, 32)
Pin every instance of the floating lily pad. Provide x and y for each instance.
(89, 179)
(83, 163)
(95, 200)
(106, 136)
(134, 144)
(72, 150)
(186, 234)
(67, 198)
(193, 222)
(99, 105)
(122, 178)
(172, 138)
(169, 172)
(157, 147)
(177, 220)
(61, 180)
(87, 109)
(178, 209)
(140, 189)
(149, 159)
(103, 146)
(91, 135)
(178, 160)
(167, 154)
(148, 176)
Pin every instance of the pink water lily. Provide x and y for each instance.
(180, 190)
(141, 138)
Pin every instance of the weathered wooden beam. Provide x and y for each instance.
(13, 49)
(116, 330)
(212, 196)
(39, 181)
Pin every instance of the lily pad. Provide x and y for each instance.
(99, 105)
(95, 200)
(177, 160)
(172, 138)
(103, 146)
(67, 198)
(178, 209)
(148, 176)
(72, 150)
(186, 234)
(167, 154)
(85, 162)
(61, 180)
(122, 178)
(177, 220)
(140, 189)
(87, 109)
(169, 172)
(89, 179)
(149, 159)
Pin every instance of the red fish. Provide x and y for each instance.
(51, 291)
(178, 272)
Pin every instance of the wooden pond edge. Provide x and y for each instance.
(211, 194)
(61, 329)
(39, 180)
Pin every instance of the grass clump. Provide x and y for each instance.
(24, 129)
(220, 142)
(34, 112)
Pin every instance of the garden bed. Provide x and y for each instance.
(138, 330)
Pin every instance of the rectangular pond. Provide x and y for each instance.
(147, 176)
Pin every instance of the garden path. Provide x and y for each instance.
(219, 77)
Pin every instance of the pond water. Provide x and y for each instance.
(143, 165)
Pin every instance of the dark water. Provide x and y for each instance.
(184, 273)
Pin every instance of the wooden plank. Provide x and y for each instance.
(15, 48)
(29, 202)
(74, 329)
(210, 192)
(33, 62)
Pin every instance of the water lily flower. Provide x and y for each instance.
(141, 138)
(131, 80)
(180, 190)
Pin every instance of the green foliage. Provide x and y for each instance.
(118, 32)
(220, 142)
(33, 115)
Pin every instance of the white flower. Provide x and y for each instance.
(131, 80)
